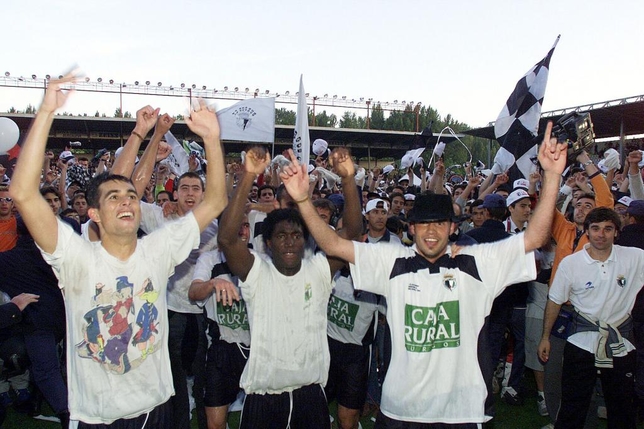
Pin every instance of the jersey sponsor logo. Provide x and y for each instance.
(429, 328)
(589, 285)
(233, 316)
(342, 313)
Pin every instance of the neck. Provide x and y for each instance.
(119, 247)
(599, 255)
(289, 271)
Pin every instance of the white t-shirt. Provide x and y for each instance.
(603, 290)
(288, 321)
(435, 314)
(117, 357)
(232, 320)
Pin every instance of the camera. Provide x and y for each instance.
(576, 130)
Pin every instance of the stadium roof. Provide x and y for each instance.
(610, 118)
(96, 133)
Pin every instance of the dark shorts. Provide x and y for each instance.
(348, 374)
(160, 417)
(384, 422)
(303, 408)
(224, 366)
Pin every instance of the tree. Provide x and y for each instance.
(117, 113)
(349, 120)
(97, 115)
(30, 110)
(377, 120)
(284, 117)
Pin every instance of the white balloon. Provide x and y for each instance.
(9, 134)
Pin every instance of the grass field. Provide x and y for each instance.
(507, 417)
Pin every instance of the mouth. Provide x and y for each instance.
(125, 215)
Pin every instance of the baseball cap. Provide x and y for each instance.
(625, 200)
(636, 208)
(432, 207)
(493, 201)
(521, 183)
(387, 169)
(515, 196)
(320, 146)
(376, 203)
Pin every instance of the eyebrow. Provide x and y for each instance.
(116, 191)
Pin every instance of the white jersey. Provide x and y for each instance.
(350, 313)
(117, 323)
(605, 290)
(288, 321)
(232, 320)
(179, 284)
(436, 313)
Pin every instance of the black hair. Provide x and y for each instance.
(602, 214)
(498, 213)
(280, 215)
(93, 195)
(192, 175)
(325, 204)
(49, 190)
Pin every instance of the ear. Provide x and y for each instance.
(175, 196)
(412, 229)
(452, 228)
(93, 215)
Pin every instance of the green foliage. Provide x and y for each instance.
(180, 117)
(284, 117)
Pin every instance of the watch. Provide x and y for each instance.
(587, 163)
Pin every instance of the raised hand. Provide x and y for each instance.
(203, 121)
(295, 178)
(55, 95)
(342, 163)
(146, 118)
(257, 159)
(552, 155)
(163, 124)
(163, 151)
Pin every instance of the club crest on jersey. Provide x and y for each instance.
(621, 280)
(449, 281)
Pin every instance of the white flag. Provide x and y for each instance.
(251, 120)
(301, 139)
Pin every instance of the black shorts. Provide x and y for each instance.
(225, 363)
(303, 408)
(348, 374)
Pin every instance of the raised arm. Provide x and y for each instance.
(296, 180)
(635, 183)
(25, 184)
(352, 216)
(145, 167)
(204, 123)
(552, 157)
(238, 257)
(146, 117)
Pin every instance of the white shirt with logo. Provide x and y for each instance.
(288, 325)
(436, 313)
(603, 290)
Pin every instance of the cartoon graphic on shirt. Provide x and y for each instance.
(109, 330)
(147, 319)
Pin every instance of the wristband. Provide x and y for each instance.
(302, 200)
(595, 174)
(138, 135)
(587, 163)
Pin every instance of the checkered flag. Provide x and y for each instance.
(518, 123)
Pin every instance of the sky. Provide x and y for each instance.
(463, 58)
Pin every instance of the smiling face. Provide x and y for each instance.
(432, 238)
(287, 247)
(602, 235)
(119, 211)
(583, 206)
(189, 194)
